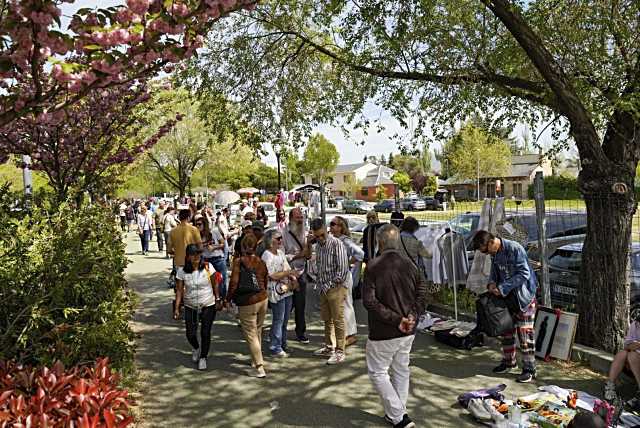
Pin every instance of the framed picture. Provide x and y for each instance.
(545, 329)
(565, 335)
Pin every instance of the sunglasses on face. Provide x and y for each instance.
(278, 238)
(200, 224)
(333, 224)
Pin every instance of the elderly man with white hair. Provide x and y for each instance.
(393, 295)
(294, 238)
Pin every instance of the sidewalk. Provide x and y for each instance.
(300, 390)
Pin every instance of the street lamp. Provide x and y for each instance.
(28, 184)
(279, 179)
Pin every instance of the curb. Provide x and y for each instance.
(597, 359)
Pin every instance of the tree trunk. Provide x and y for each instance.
(603, 291)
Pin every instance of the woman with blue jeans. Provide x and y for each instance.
(282, 282)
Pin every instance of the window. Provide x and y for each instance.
(517, 190)
(364, 191)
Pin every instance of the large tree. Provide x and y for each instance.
(320, 158)
(574, 66)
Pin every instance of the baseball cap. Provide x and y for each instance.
(257, 225)
(246, 223)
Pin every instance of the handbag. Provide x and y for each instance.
(493, 315)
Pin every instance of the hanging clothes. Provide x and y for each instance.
(454, 263)
(478, 277)
(429, 235)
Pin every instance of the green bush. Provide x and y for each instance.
(466, 299)
(62, 286)
(559, 187)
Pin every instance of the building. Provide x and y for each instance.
(514, 185)
(359, 180)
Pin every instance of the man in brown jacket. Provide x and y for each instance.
(393, 294)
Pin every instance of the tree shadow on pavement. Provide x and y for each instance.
(301, 390)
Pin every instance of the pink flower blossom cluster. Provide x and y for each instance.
(105, 48)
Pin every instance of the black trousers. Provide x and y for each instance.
(299, 303)
(206, 316)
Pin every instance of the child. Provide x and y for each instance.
(629, 355)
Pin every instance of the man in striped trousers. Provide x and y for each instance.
(513, 279)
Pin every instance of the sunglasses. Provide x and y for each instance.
(333, 223)
(278, 238)
(200, 223)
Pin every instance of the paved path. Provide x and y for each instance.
(301, 390)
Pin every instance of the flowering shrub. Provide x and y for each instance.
(62, 287)
(82, 396)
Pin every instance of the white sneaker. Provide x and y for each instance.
(195, 355)
(259, 372)
(336, 358)
(280, 354)
(325, 351)
(202, 364)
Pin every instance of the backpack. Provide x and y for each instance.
(248, 283)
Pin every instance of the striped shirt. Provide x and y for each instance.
(332, 264)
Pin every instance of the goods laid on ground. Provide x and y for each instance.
(549, 407)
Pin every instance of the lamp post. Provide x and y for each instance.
(478, 171)
(279, 174)
(28, 184)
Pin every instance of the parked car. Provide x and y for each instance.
(559, 224)
(355, 206)
(432, 204)
(564, 272)
(269, 210)
(385, 206)
(412, 204)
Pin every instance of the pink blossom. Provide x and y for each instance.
(179, 9)
(139, 7)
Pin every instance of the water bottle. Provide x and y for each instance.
(515, 415)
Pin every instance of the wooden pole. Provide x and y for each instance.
(542, 238)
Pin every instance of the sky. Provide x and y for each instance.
(376, 144)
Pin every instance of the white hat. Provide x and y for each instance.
(246, 223)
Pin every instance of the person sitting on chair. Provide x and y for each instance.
(630, 357)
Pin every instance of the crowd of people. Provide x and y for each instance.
(272, 265)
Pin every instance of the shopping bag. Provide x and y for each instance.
(493, 316)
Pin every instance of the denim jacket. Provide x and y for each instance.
(510, 270)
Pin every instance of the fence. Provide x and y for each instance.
(566, 227)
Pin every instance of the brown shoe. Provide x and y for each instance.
(350, 340)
